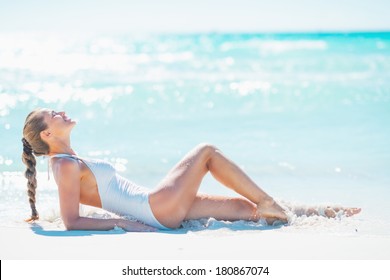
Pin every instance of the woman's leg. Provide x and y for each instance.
(222, 208)
(172, 201)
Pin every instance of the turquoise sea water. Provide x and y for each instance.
(306, 115)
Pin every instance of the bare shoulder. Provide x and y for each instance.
(65, 166)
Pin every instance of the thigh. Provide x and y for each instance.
(175, 194)
(221, 208)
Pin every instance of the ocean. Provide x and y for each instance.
(306, 115)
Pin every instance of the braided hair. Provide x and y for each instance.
(33, 145)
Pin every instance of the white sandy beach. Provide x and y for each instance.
(37, 243)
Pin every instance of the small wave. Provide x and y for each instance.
(277, 46)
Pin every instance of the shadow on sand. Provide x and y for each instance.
(39, 230)
(184, 229)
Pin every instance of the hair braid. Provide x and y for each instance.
(30, 173)
(33, 146)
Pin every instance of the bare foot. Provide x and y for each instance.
(331, 212)
(271, 211)
(352, 211)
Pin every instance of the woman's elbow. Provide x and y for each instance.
(70, 224)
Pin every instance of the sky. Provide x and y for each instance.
(182, 16)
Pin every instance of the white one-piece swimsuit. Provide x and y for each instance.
(117, 194)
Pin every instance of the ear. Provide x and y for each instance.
(45, 134)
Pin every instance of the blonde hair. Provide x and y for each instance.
(33, 145)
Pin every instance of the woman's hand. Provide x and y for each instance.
(128, 225)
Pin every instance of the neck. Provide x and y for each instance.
(61, 147)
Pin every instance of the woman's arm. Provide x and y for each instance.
(67, 175)
(84, 223)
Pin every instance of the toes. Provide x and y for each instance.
(352, 211)
(330, 213)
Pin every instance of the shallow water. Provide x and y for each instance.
(306, 115)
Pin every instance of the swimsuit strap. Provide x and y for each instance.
(64, 155)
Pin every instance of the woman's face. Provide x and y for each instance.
(58, 122)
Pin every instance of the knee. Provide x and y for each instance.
(206, 150)
(244, 208)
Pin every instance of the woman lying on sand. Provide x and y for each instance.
(174, 200)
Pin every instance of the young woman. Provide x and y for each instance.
(176, 198)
